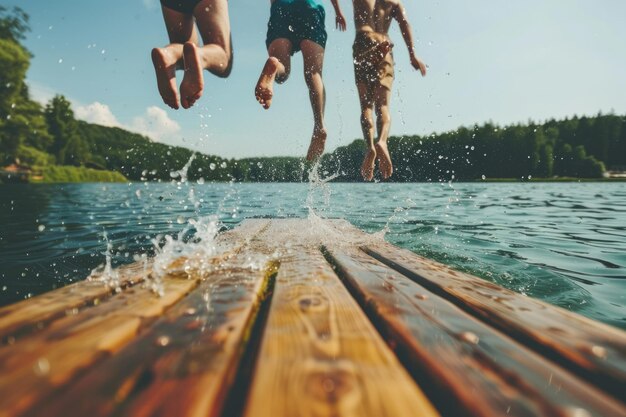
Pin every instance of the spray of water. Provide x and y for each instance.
(105, 272)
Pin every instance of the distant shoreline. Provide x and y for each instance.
(487, 180)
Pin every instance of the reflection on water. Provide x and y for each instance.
(563, 243)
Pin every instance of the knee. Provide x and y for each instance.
(311, 75)
(366, 119)
(225, 63)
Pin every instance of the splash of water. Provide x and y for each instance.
(105, 272)
(319, 190)
(180, 254)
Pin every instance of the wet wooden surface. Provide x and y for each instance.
(442, 344)
(591, 349)
(320, 355)
(267, 323)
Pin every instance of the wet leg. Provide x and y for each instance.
(383, 123)
(313, 55)
(215, 55)
(276, 68)
(367, 125)
(180, 29)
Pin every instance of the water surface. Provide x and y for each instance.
(562, 243)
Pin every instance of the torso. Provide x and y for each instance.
(374, 15)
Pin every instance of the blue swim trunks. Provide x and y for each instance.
(297, 20)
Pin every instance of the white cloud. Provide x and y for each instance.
(155, 123)
(40, 93)
(97, 113)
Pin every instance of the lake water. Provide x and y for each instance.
(564, 243)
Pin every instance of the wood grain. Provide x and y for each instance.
(32, 369)
(319, 354)
(25, 316)
(594, 351)
(185, 364)
(19, 319)
(36, 367)
(452, 350)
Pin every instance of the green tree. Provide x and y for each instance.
(67, 146)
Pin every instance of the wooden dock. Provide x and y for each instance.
(297, 317)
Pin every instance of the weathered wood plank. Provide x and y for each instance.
(22, 317)
(452, 350)
(594, 351)
(37, 365)
(319, 354)
(186, 362)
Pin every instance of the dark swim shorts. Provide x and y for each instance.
(182, 6)
(296, 20)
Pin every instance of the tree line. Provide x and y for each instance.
(50, 135)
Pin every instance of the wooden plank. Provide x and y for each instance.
(37, 366)
(33, 368)
(452, 351)
(594, 351)
(23, 317)
(319, 354)
(186, 362)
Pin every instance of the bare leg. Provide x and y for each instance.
(276, 68)
(180, 29)
(313, 55)
(367, 125)
(216, 53)
(383, 123)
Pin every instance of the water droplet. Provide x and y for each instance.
(483, 177)
(60, 60)
(41, 228)
(163, 341)
(470, 337)
(180, 219)
(41, 367)
(599, 351)
(200, 181)
(212, 166)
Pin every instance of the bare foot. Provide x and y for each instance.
(318, 141)
(367, 167)
(384, 159)
(264, 90)
(165, 68)
(193, 81)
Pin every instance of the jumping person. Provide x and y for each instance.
(374, 72)
(296, 25)
(183, 20)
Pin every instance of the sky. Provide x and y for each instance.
(489, 60)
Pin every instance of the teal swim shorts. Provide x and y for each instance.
(297, 20)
